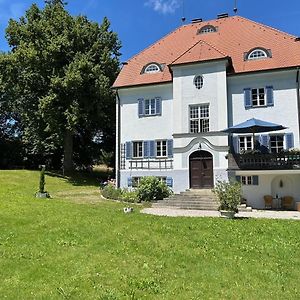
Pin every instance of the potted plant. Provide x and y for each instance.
(229, 197)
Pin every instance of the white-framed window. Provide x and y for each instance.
(258, 97)
(207, 29)
(199, 118)
(198, 82)
(276, 143)
(161, 148)
(150, 107)
(152, 68)
(136, 180)
(245, 143)
(246, 180)
(137, 149)
(257, 54)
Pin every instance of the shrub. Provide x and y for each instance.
(129, 196)
(110, 192)
(228, 194)
(151, 188)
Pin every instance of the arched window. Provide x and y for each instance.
(198, 82)
(257, 54)
(207, 29)
(152, 68)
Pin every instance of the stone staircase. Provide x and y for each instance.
(244, 208)
(203, 199)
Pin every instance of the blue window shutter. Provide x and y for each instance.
(152, 150)
(170, 148)
(128, 150)
(289, 140)
(235, 144)
(255, 180)
(158, 106)
(141, 107)
(264, 140)
(146, 149)
(129, 181)
(270, 95)
(238, 178)
(247, 97)
(169, 181)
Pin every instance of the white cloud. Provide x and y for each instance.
(163, 6)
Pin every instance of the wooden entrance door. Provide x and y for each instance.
(201, 170)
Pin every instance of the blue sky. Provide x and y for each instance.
(139, 23)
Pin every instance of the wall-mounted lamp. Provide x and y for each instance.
(199, 146)
(280, 183)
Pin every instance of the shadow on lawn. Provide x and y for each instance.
(83, 178)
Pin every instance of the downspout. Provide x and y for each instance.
(298, 100)
(118, 139)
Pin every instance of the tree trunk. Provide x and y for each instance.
(68, 152)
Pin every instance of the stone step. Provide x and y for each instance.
(187, 202)
(194, 207)
(191, 199)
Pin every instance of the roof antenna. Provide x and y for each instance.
(235, 10)
(183, 12)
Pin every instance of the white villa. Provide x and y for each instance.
(176, 96)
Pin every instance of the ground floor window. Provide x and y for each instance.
(247, 180)
(161, 148)
(137, 179)
(137, 149)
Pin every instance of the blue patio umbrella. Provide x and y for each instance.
(254, 126)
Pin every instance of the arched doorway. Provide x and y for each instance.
(201, 170)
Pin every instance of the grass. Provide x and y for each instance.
(76, 246)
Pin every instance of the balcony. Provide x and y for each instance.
(158, 164)
(268, 161)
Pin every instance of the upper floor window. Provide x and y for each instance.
(198, 82)
(258, 97)
(245, 143)
(276, 143)
(257, 53)
(207, 29)
(149, 107)
(151, 68)
(199, 118)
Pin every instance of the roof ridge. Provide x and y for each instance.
(154, 43)
(268, 27)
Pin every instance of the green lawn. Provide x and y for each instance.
(75, 246)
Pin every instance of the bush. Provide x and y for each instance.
(129, 196)
(110, 192)
(228, 194)
(151, 188)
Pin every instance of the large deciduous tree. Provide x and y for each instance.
(59, 72)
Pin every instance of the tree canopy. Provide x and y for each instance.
(57, 80)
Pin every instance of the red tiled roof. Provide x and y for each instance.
(235, 36)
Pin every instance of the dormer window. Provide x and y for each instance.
(152, 68)
(258, 53)
(207, 29)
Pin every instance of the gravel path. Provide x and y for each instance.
(289, 215)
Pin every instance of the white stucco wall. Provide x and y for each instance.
(269, 184)
(283, 112)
